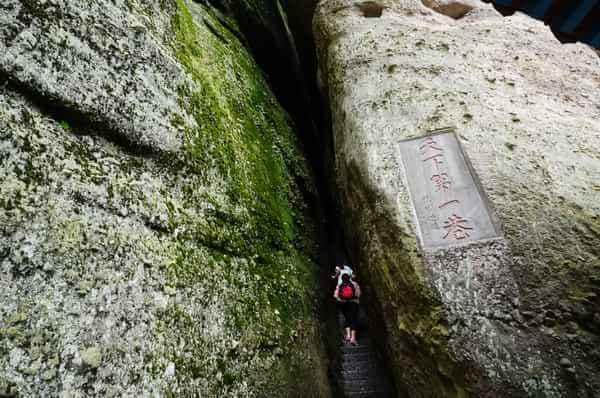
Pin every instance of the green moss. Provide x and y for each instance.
(65, 125)
(242, 235)
(240, 130)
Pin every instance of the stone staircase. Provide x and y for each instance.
(359, 371)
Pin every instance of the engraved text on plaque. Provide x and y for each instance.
(450, 205)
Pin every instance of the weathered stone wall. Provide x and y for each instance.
(512, 316)
(154, 239)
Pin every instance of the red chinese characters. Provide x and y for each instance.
(432, 152)
(441, 181)
(456, 227)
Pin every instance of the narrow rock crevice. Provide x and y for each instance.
(293, 76)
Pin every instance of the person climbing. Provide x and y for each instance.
(339, 271)
(347, 294)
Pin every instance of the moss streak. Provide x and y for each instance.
(250, 244)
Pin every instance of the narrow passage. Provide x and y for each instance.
(359, 371)
(356, 371)
(292, 73)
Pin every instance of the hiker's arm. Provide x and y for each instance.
(335, 293)
(337, 273)
(357, 288)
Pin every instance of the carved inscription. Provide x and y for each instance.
(449, 204)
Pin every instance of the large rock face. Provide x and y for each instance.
(153, 239)
(515, 315)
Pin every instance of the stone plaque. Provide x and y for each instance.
(450, 205)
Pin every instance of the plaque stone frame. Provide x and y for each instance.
(448, 200)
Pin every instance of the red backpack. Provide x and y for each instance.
(346, 291)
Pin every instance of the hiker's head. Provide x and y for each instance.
(345, 278)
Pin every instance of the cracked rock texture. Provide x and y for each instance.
(516, 316)
(154, 237)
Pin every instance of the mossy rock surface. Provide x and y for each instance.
(155, 237)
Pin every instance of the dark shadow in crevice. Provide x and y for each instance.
(214, 31)
(290, 66)
(218, 10)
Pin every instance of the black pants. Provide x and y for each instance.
(350, 311)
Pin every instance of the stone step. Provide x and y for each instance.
(368, 394)
(371, 376)
(358, 366)
(369, 384)
(358, 374)
(349, 349)
(359, 356)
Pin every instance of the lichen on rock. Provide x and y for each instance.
(155, 238)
